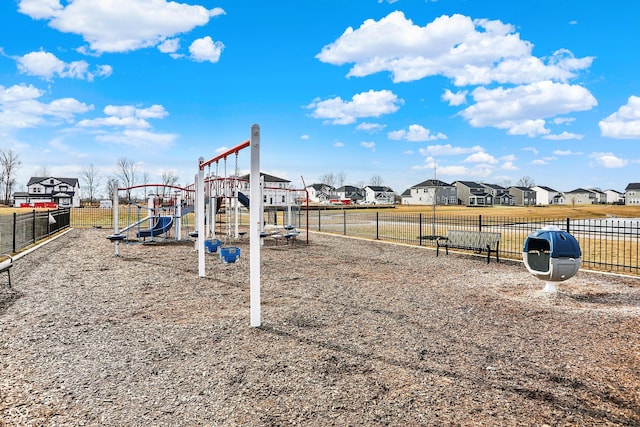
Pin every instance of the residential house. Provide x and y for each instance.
(320, 193)
(598, 196)
(63, 192)
(525, 196)
(349, 192)
(379, 195)
(632, 194)
(548, 196)
(430, 192)
(614, 197)
(276, 191)
(472, 194)
(500, 195)
(579, 196)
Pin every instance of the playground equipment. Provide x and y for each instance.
(162, 214)
(552, 255)
(255, 214)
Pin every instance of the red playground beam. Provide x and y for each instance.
(226, 154)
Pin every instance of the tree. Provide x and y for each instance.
(328, 179)
(9, 164)
(526, 181)
(376, 180)
(126, 173)
(91, 179)
(43, 171)
(168, 178)
(341, 177)
(111, 186)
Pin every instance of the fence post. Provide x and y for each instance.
(420, 229)
(15, 218)
(377, 225)
(480, 222)
(344, 222)
(33, 227)
(568, 222)
(319, 219)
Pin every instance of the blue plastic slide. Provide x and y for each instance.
(243, 199)
(161, 225)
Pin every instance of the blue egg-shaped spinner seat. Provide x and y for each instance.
(552, 254)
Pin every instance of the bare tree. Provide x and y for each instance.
(168, 178)
(526, 181)
(111, 186)
(375, 180)
(43, 171)
(146, 180)
(126, 173)
(341, 177)
(9, 164)
(91, 179)
(328, 179)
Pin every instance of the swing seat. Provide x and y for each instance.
(229, 254)
(212, 245)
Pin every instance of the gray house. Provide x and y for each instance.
(473, 194)
(500, 195)
(429, 192)
(580, 196)
(632, 194)
(525, 196)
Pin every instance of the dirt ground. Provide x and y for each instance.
(354, 333)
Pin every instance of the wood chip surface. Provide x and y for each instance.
(353, 333)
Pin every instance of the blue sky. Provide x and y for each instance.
(405, 90)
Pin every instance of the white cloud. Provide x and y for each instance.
(563, 136)
(369, 145)
(480, 157)
(47, 66)
(205, 49)
(609, 160)
(624, 123)
(338, 144)
(20, 108)
(566, 153)
(416, 133)
(305, 137)
(470, 52)
(169, 45)
(126, 116)
(510, 166)
(139, 138)
(370, 127)
(449, 150)
(455, 99)
(365, 104)
(522, 109)
(534, 150)
(538, 162)
(120, 25)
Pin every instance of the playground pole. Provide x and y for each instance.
(200, 219)
(255, 226)
(116, 217)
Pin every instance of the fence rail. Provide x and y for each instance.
(611, 244)
(17, 231)
(608, 244)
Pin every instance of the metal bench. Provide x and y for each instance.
(478, 241)
(6, 265)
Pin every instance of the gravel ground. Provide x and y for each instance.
(354, 333)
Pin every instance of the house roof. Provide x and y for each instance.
(379, 188)
(494, 186)
(549, 189)
(432, 183)
(346, 188)
(580, 190)
(470, 184)
(39, 180)
(633, 186)
(267, 178)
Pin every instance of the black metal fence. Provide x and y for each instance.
(611, 244)
(608, 244)
(17, 231)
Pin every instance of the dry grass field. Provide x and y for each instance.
(549, 212)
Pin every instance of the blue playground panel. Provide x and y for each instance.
(229, 254)
(212, 245)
